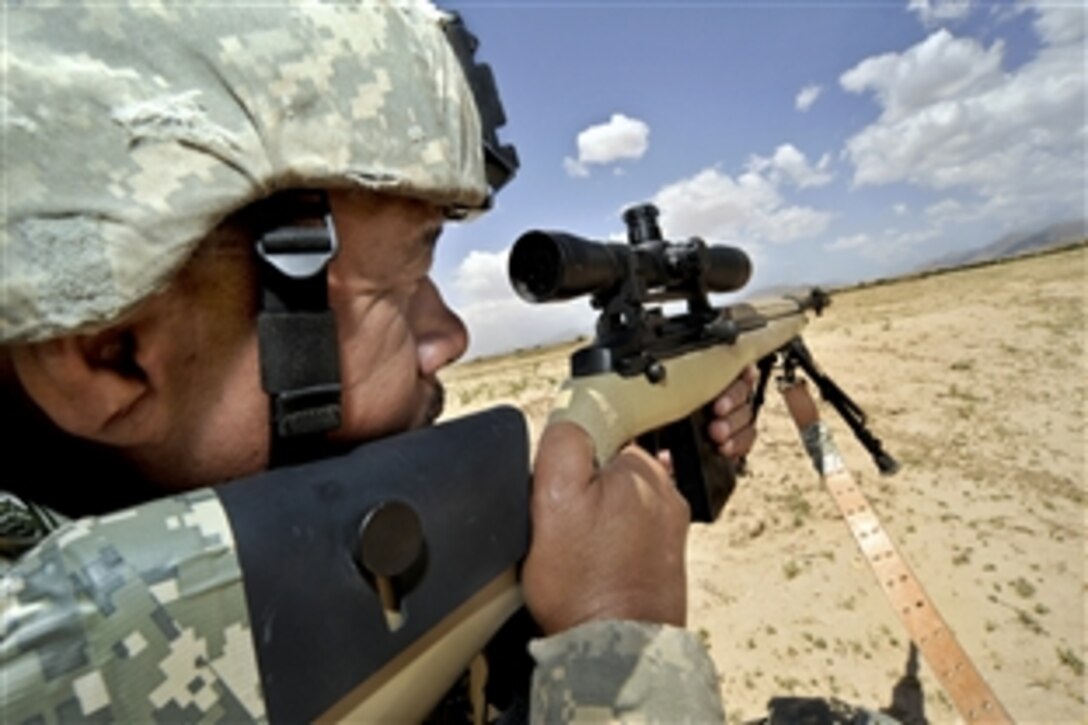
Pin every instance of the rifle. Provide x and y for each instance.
(412, 543)
(648, 376)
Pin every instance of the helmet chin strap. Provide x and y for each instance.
(297, 341)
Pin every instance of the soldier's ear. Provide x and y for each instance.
(99, 386)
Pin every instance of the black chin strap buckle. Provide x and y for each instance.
(299, 349)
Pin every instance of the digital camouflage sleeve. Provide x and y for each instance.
(141, 616)
(624, 671)
(138, 616)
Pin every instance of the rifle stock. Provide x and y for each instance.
(408, 687)
(441, 513)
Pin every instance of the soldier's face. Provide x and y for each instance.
(395, 331)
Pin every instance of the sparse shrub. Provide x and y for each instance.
(1070, 659)
(1023, 587)
(798, 506)
(787, 684)
(1029, 621)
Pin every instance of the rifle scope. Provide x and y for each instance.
(546, 266)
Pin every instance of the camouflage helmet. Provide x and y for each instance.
(132, 130)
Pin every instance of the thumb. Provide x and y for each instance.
(564, 463)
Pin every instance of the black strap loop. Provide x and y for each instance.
(299, 350)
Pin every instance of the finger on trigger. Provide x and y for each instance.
(749, 376)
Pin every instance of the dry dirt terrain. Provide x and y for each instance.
(975, 380)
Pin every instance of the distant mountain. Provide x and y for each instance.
(1013, 245)
(784, 290)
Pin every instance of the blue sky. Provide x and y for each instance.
(832, 141)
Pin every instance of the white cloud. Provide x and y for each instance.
(953, 211)
(482, 276)
(944, 209)
(620, 138)
(942, 67)
(790, 163)
(714, 205)
(497, 326)
(900, 209)
(952, 118)
(498, 320)
(932, 12)
(575, 168)
(1060, 24)
(888, 246)
(807, 96)
(844, 243)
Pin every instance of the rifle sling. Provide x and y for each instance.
(959, 677)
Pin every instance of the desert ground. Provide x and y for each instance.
(975, 380)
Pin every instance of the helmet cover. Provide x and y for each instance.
(131, 131)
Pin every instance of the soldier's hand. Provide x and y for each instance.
(732, 428)
(608, 543)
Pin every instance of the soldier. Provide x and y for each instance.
(159, 161)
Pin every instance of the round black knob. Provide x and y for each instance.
(655, 372)
(390, 539)
(641, 223)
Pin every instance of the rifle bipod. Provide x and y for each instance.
(795, 354)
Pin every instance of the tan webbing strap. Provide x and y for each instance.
(970, 694)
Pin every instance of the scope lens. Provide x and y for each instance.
(535, 267)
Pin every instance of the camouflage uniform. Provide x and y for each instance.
(655, 673)
(130, 132)
(137, 616)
